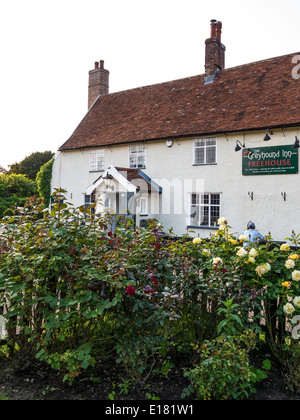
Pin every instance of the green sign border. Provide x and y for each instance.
(275, 160)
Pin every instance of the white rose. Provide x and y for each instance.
(242, 252)
(206, 252)
(296, 301)
(296, 275)
(288, 309)
(253, 253)
(243, 238)
(217, 261)
(222, 221)
(290, 264)
(263, 269)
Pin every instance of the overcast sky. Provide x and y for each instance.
(48, 47)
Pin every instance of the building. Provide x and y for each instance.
(186, 152)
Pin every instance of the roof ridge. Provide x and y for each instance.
(199, 75)
(261, 61)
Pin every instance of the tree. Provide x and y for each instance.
(43, 180)
(2, 170)
(31, 165)
(15, 189)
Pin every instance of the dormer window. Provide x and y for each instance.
(137, 156)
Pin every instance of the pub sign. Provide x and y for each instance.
(270, 160)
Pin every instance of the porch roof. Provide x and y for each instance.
(132, 179)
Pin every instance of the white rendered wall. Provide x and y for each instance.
(172, 168)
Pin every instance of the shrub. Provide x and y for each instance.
(47, 264)
(72, 290)
(15, 190)
(224, 371)
(292, 374)
(43, 180)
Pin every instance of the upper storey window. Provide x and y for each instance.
(97, 160)
(137, 156)
(205, 151)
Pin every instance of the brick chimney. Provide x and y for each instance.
(214, 49)
(98, 82)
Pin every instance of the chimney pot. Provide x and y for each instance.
(213, 28)
(218, 30)
(96, 64)
(101, 64)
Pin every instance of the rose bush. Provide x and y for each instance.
(70, 289)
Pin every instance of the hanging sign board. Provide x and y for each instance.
(270, 160)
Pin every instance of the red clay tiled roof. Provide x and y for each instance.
(139, 179)
(253, 96)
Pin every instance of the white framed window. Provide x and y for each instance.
(89, 199)
(137, 156)
(205, 151)
(205, 209)
(97, 160)
(144, 206)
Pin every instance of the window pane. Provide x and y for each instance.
(211, 154)
(88, 200)
(204, 216)
(199, 142)
(211, 141)
(199, 155)
(215, 214)
(144, 206)
(132, 161)
(204, 199)
(100, 165)
(195, 198)
(195, 215)
(215, 198)
(140, 160)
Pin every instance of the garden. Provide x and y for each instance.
(131, 311)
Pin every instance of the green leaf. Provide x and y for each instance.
(237, 319)
(85, 364)
(51, 323)
(222, 324)
(267, 364)
(100, 308)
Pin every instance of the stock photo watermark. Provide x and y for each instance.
(296, 329)
(296, 68)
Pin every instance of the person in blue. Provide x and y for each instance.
(252, 234)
